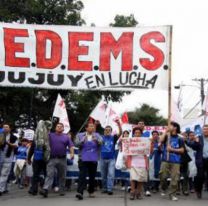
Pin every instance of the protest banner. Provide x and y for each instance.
(70, 57)
(136, 146)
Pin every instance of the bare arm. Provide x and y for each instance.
(71, 151)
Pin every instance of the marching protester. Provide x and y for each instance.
(141, 125)
(7, 152)
(38, 155)
(59, 143)
(121, 162)
(89, 143)
(155, 157)
(138, 170)
(184, 169)
(147, 185)
(107, 161)
(200, 145)
(172, 150)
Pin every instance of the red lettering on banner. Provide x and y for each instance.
(109, 45)
(152, 50)
(56, 49)
(75, 50)
(11, 47)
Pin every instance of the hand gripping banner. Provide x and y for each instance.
(85, 58)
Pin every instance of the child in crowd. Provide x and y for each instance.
(20, 165)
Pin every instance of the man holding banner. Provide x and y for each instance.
(172, 149)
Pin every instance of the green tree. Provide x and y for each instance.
(124, 21)
(66, 12)
(148, 114)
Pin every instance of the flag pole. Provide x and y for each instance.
(170, 77)
(170, 83)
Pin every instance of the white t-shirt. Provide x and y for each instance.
(89, 137)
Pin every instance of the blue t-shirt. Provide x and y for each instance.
(176, 142)
(22, 153)
(108, 147)
(146, 134)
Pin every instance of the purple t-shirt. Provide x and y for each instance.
(59, 144)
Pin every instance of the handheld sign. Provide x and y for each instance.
(136, 146)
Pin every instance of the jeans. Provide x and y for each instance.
(60, 165)
(85, 168)
(39, 167)
(185, 181)
(107, 173)
(202, 173)
(4, 174)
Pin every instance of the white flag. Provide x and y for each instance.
(99, 113)
(61, 113)
(111, 118)
(175, 113)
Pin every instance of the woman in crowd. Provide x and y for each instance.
(89, 144)
(138, 170)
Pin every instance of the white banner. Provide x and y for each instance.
(69, 57)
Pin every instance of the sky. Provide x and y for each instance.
(190, 41)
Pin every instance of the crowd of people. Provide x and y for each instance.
(178, 162)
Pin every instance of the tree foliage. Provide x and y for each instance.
(148, 114)
(65, 12)
(124, 21)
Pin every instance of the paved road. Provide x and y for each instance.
(21, 198)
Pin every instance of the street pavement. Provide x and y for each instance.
(18, 197)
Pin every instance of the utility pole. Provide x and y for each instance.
(202, 83)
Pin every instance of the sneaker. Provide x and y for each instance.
(21, 187)
(186, 193)
(79, 196)
(14, 182)
(147, 193)
(110, 193)
(173, 198)
(163, 194)
(56, 189)
(44, 193)
(123, 188)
